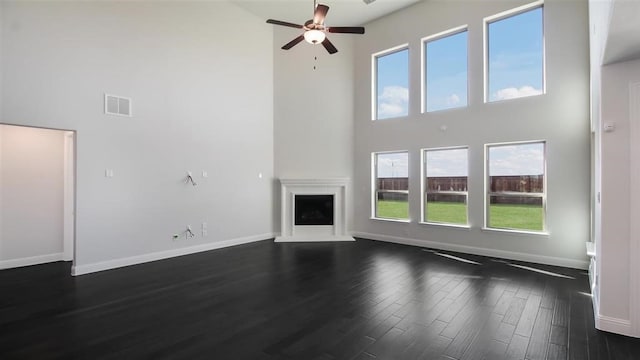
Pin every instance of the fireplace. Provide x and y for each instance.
(313, 210)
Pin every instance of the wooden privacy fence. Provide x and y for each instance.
(506, 189)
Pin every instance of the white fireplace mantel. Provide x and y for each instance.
(290, 232)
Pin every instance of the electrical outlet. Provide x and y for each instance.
(204, 229)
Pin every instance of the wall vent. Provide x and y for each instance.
(117, 105)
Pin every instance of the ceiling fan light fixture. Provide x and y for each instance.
(314, 36)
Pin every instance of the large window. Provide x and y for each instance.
(445, 186)
(445, 70)
(391, 184)
(516, 186)
(391, 83)
(515, 51)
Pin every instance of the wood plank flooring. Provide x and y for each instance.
(324, 301)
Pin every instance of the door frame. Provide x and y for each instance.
(69, 197)
(634, 233)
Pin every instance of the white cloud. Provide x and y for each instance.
(513, 93)
(452, 100)
(393, 102)
(525, 159)
(450, 162)
(393, 165)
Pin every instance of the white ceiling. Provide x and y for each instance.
(623, 42)
(341, 12)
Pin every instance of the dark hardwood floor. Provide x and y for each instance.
(362, 300)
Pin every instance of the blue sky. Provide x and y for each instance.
(393, 85)
(520, 159)
(446, 75)
(514, 159)
(515, 70)
(516, 56)
(447, 162)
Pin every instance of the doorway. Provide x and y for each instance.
(37, 195)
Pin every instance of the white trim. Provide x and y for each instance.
(32, 260)
(403, 221)
(423, 187)
(139, 259)
(69, 197)
(423, 64)
(516, 231)
(511, 255)
(634, 238)
(487, 184)
(290, 232)
(447, 225)
(614, 325)
(303, 238)
(374, 79)
(374, 185)
(515, 11)
(503, 15)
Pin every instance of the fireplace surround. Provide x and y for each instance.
(321, 190)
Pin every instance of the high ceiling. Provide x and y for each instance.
(341, 13)
(623, 42)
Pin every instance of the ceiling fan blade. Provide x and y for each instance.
(346, 29)
(320, 14)
(293, 42)
(329, 46)
(284, 23)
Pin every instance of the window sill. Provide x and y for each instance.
(517, 232)
(455, 226)
(392, 220)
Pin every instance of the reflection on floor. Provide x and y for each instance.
(266, 300)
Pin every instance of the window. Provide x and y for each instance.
(445, 70)
(391, 83)
(515, 51)
(391, 184)
(445, 186)
(516, 190)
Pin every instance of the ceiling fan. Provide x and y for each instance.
(315, 30)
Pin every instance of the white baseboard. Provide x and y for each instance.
(614, 325)
(313, 238)
(511, 255)
(32, 260)
(139, 259)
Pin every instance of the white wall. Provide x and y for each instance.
(313, 113)
(201, 78)
(614, 249)
(561, 117)
(31, 168)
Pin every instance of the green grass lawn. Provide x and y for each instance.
(501, 216)
(447, 212)
(391, 209)
(521, 217)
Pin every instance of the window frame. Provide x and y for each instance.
(374, 80)
(489, 194)
(423, 66)
(374, 187)
(501, 16)
(423, 180)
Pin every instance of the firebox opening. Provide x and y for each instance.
(314, 209)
